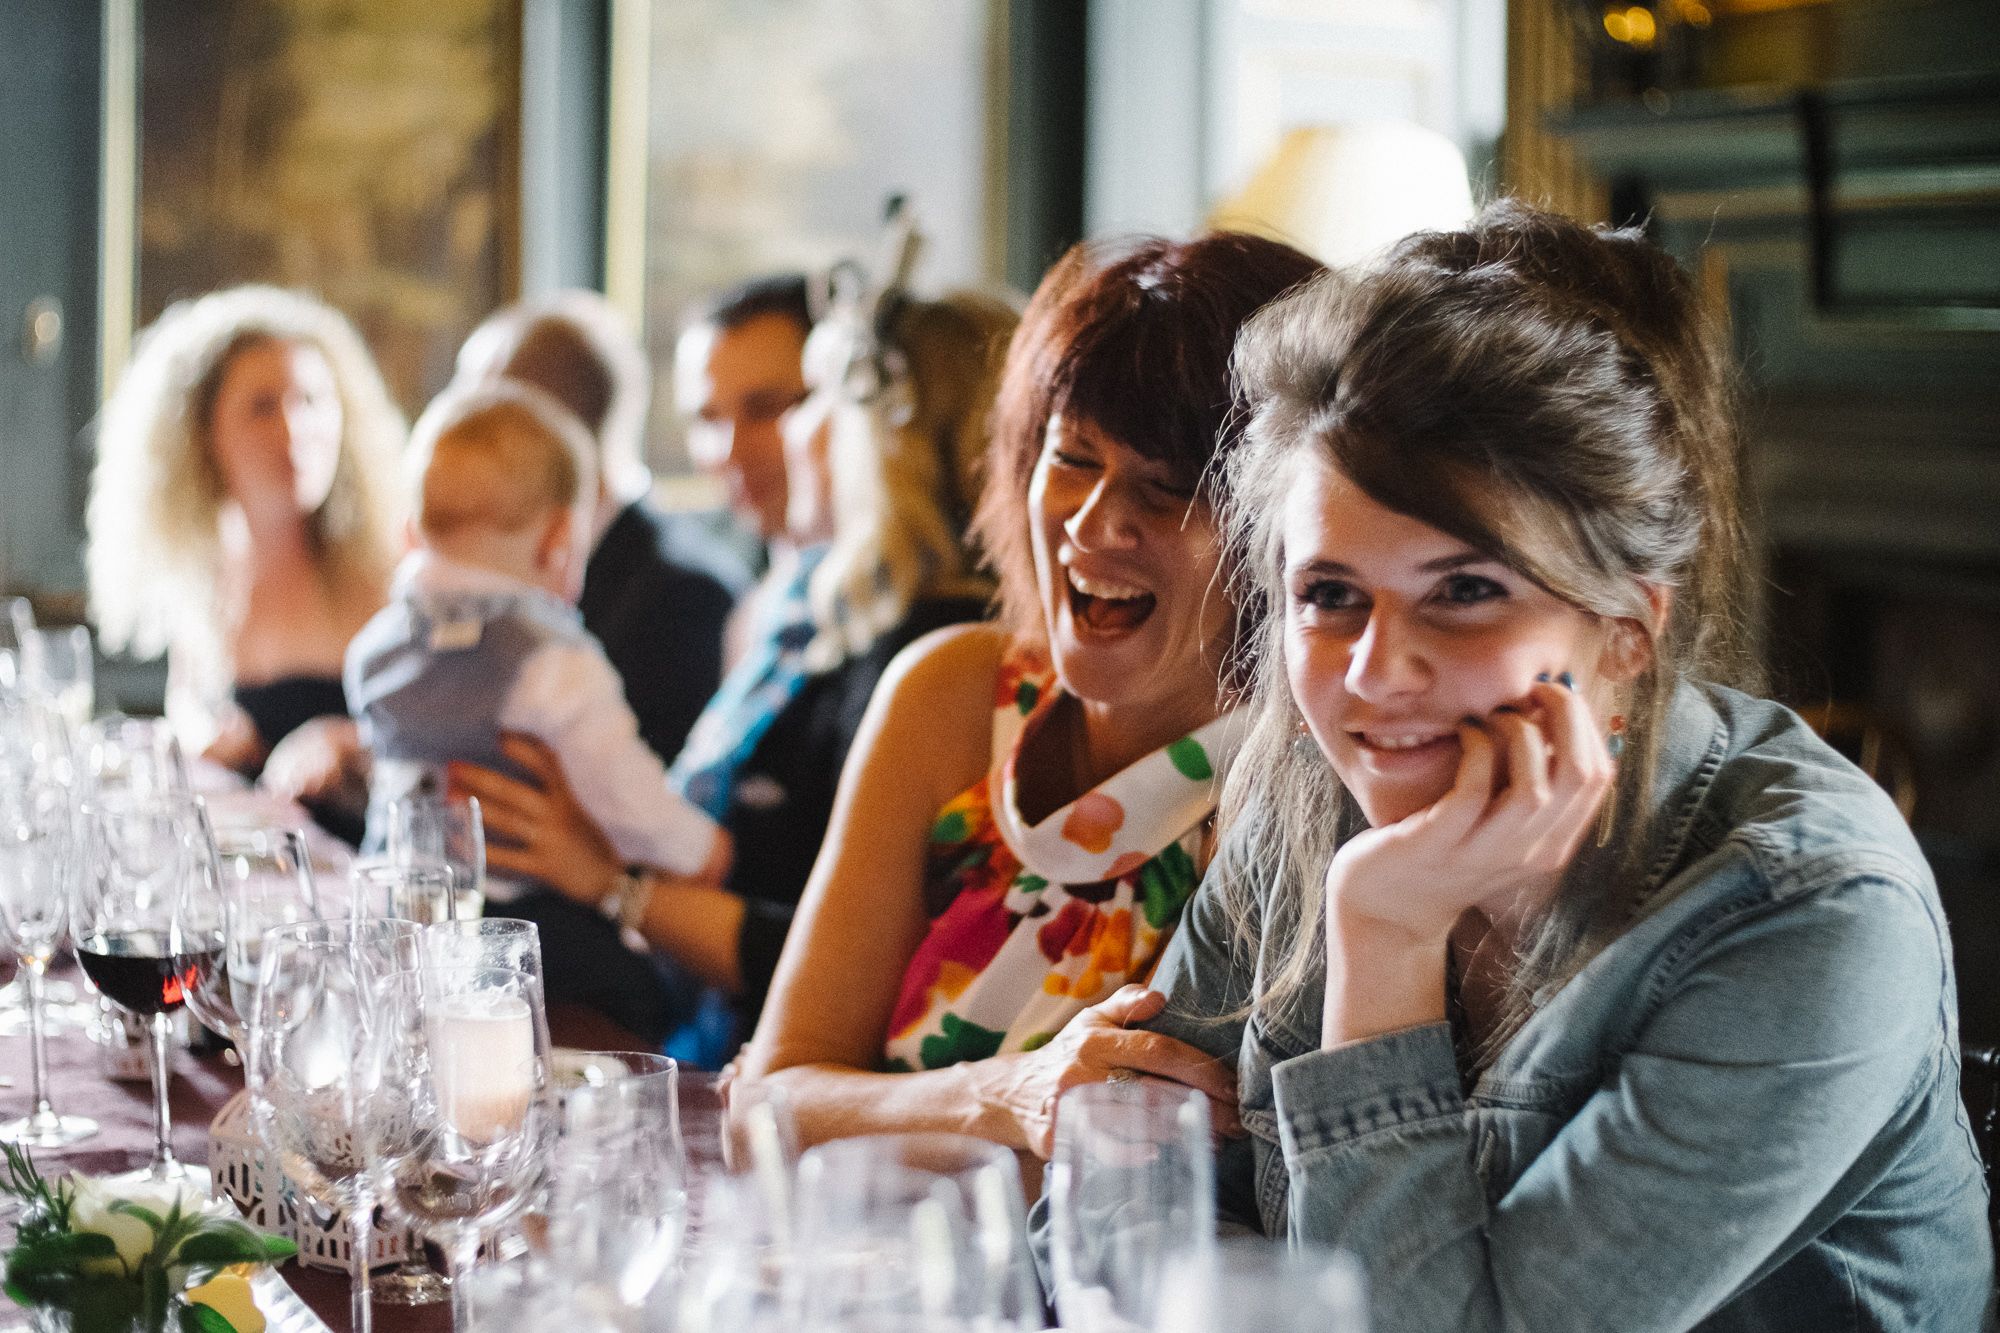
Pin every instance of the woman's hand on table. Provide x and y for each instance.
(536, 829)
(321, 761)
(1026, 1086)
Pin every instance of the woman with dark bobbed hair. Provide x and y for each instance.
(1567, 987)
(1027, 806)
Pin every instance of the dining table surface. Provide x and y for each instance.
(202, 1084)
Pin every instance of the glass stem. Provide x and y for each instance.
(461, 1254)
(360, 1312)
(163, 1144)
(38, 1048)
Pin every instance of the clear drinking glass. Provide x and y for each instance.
(142, 856)
(738, 1258)
(911, 1232)
(620, 1190)
(320, 1097)
(1252, 1285)
(60, 665)
(423, 893)
(131, 758)
(468, 1049)
(38, 862)
(263, 879)
(426, 828)
(1131, 1198)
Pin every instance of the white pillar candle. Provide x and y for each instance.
(482, 1062)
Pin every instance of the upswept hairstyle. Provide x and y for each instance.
(1554, 397)
(1135, 339)
(154, 550)
(903, 485)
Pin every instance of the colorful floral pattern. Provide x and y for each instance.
(1040, 921)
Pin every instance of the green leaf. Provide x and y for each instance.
(222, 1246)
(201, 1319)
(140, 1211)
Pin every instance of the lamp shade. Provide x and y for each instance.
(1343, 192)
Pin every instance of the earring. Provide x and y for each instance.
(1615, 742)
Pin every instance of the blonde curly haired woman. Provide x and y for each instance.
(243, 515)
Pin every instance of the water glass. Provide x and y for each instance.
(427, 828)
(911, 1232)
(1252, 1285)
(422, 893)
(38, 862)
(1131, 1199)
(263, 879)
(60, 665)
(620, 1192)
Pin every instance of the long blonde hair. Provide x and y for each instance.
(154, 554)
(1550, 395)
(906, 472)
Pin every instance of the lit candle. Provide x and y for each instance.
(482, 1062)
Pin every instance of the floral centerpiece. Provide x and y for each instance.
(145, 1258)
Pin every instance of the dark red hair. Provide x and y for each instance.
(1134, 339)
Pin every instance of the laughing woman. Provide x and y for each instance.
(1027, 808)
(1567, 987)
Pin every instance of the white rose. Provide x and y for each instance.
(90, 1210)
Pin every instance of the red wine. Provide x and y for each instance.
(10, 966)
(134, 969)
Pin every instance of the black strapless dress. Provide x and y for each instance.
(279, 707)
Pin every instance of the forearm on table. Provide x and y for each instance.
(837, 1101)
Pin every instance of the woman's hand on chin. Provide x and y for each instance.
(1025, 1087)
(537, 830)
(1529, 785)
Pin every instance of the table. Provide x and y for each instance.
(124, 1113)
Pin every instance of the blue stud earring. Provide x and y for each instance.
(1615, 742)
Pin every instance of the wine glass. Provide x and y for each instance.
(500, 941)
(37, 866)
(263, 879)
(738, 1259)
(59, 665)
(1251, 1285)
(620, 1190)
(911, 1232)
(1131, 1198)
(132, 758)
(142, 857)
(322, 1101)
(421, 892)
(426, 828)
(468, 1049)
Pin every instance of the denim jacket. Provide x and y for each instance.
(1743, 1113)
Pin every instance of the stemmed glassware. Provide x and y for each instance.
(621, 1185)
(427, 828)
(1252, 1285)
(131, 758)
(467, 1048)
(911, 1232)
(423, 892)
(37, 866)
(59, 664)
(1131, 1197)
(263, 878)
(142, 857)
(323, 1099)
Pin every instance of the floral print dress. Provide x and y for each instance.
(1032, 923)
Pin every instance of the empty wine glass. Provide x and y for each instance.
(320, 1097)
(468, 1048)
(1251, 1285)
(738, 1258)
(142, 857)
(1131, 1198)
(263, 879)
(427, 827)
(422, 892)
(59, 664)
(38, 861)
(620, 1189)
(131, 758)
(911, 1232)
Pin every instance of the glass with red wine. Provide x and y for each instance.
(143, 857)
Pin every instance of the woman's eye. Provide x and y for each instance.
(1468, 589)
(1063, 458)
(1329, 595)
